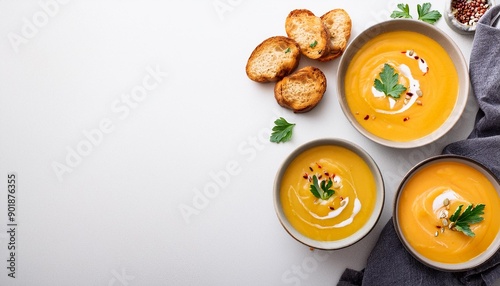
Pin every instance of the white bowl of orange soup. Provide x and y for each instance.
(351, 210)
(428, 198)
(426, 97)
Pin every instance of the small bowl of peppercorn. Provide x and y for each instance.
(463, 15)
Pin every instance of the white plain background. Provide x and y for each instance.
(116, 218)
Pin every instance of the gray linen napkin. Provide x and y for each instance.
(389, 263)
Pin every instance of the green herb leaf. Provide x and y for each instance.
(313, 44)
(425, 14)
(315, 188)
(403, 13)
(322, 190)
(456, 214)
(287, 50)
(471, 215)
(282, 131)
(388, 83)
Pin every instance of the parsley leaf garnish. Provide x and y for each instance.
(282, 131)
(462, 221)
(313, 44)
(388, 82)
(287, 50)
(404, 13)
(322, 190)
(426, 15)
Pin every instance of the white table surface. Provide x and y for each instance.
(141, 148)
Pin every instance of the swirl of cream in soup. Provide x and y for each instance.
(413, 87)
(338, 184)
(440, 210)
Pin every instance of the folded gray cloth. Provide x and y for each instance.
(483, 144)
(389, 263)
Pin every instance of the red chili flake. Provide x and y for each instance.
(367, 117)
(406, 118)
(416, 57)
(327, 174)
(310, 168)
(438, 226)
(319, 166)
(333, 175)
(305, 176)
(332, 208)
(409, 93)
(320, 176)
(422, 60)
(403, 52)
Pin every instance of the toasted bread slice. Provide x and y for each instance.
(302, 90)
(309, 32)
(273, 59)
(339, 25)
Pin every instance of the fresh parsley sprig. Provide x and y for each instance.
(282, 131)
(462, 221)
(322, 190)
(388, 82)
(424, 13)
(404, 12)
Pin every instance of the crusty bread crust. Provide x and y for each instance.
(309, 32)
(273, 59)
(339, 25)
(302, 90)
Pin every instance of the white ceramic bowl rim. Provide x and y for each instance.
(361, 233)
(450, 267)
(423, 28)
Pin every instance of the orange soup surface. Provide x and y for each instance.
(440, 188)
(424, 69)
(346, 211)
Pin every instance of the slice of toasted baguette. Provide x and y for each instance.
(309, 32)
(339, 25)
(273, 59)
(302, 90)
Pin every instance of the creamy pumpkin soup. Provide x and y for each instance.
(448, 212)
(328, 193)
(401, 86)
